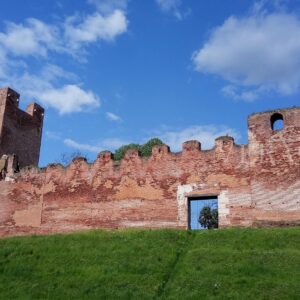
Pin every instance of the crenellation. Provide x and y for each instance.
(160, 151)
(132, 154)
(224, 143)
(20, 131)
(256, 185)
(194, 146)
(105, 156)
(36, 111)
(9, 96)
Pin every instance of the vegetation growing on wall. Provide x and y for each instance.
(144, 149)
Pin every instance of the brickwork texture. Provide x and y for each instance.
(20, 131)
(256, 184)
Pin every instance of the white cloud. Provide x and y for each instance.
(46, 88)
(106, 144)
(52, 85)
(108, 6)
(261, 51)
(82, 147)
(112, 117)
(204, 134)
(52, 135)
(174, 138)
(32, 38)
(29, 85)
(94, 28)
(2, 63)
(168, 5)
(37, 38)
(52, 72)
(113, 143)
(69, 98)
(173, 7)
(235, 93)
(2, 55)
(265, 6)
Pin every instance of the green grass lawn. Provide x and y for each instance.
(158, 264)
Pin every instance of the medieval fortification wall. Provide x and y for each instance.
(20, 131)
(256, 184)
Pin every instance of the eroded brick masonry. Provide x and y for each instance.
(20, 131)
(256, 184)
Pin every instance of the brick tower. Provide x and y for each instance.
(20, 131)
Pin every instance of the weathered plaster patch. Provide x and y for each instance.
(229, 180)
(129, 189)
(29, 217)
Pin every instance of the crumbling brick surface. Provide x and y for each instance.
(20, 131)
(257, 185)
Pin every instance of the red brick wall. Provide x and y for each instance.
(275, 168)
(257, 185)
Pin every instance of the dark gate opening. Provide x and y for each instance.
(195, 206)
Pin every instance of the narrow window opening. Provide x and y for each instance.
(203, 212)
(277, 122)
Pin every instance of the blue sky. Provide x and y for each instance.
(115, 72)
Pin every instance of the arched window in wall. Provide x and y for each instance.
(277, 122)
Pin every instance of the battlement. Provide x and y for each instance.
(190, 150)
(36, 111)
(20, 131)
(257, 184)
(9, 95)
(225, 153)
(261, 125)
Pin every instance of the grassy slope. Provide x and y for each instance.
(220, 264)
